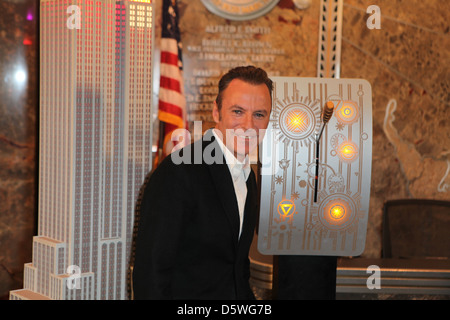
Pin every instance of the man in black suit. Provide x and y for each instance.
(198, 217)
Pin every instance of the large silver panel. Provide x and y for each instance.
(291, 223)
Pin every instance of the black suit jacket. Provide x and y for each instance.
(188, 244)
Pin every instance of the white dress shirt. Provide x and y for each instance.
(239, 172)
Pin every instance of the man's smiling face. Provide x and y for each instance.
(245, 111)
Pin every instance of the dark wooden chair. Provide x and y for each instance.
(416, 229)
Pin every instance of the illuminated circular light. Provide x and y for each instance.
(286, 208)
(297, 122)
(337, 212)
(348, 151)
(347, 112)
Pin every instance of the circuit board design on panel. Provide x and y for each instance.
(295, 218)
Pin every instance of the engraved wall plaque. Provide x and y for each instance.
(240, 10)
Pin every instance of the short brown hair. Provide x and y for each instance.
(249, 74)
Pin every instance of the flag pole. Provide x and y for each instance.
(159, 155)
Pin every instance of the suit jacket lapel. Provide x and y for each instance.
(250, 203)
(224, 185)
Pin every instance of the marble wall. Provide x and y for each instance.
(18, 132)
(406, 61)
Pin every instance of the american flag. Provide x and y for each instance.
(172, 103)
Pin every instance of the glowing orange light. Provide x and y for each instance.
(286, 208)
(347, 112)
(297, 121)
(337, 212)
(348, 151)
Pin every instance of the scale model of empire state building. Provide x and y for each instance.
(95, 145)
